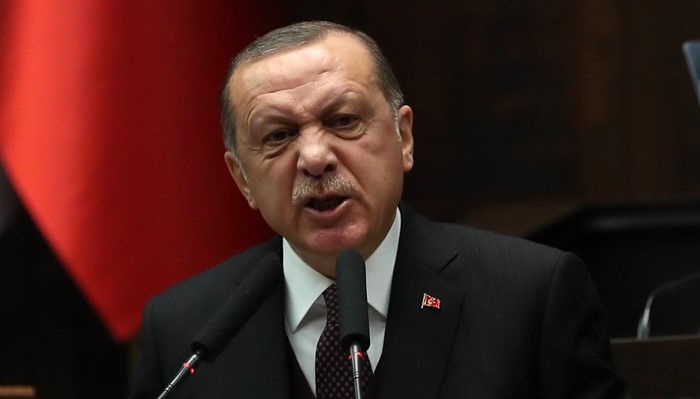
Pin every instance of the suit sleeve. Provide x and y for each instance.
(575, 357)
(147, 376)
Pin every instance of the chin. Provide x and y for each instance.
(334, 244)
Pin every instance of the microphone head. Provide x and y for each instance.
(238, 308)
(353, 321)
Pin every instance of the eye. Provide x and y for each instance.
(343, 121)
(279, 136)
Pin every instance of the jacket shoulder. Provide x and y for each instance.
(196, 298)
(458, 243)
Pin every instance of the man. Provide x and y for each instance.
(318, 140)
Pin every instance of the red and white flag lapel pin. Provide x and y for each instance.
(430, 301)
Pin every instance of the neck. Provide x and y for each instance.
(322, 263)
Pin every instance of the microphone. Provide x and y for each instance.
(238, 308)
(644, 325)
(230, 317)
(353, 321)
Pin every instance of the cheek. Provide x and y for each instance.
(272, 184)
(377, 165)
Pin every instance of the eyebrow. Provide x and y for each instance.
(271, 115)
(342, 98)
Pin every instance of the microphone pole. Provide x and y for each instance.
(230, 317)
(353, 321)
(644, 325)
(187, 369)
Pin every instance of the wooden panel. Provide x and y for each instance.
(666, 367)
(17, 392)
(598, 94)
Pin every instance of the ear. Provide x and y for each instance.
(405, 115)
(234, 168)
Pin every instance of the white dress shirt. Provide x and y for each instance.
(305, 308)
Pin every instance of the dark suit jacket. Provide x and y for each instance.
(517, 320)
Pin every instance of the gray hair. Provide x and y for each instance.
(298, 35)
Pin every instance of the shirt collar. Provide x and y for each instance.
(304, 285)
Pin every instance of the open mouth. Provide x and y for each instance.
(325, 204)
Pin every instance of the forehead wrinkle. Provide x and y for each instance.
(281, 72)
(280, 105)
(319, 97)
(283, 68)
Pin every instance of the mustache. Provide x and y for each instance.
(309, 186)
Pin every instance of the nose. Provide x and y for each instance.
(316, 155)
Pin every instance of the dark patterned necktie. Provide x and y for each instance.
(333, 368)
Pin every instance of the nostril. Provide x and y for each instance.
(327, 169)
(316, 159)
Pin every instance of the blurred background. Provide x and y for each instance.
(570, 123)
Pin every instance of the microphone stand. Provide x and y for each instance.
(185, 371)
(355, 354)
(644, 325)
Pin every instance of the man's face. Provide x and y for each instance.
(319, 146)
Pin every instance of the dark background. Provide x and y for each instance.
(528, 114)
(524, 109)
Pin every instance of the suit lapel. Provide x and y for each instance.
(418, 340)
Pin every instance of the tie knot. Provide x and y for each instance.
(331, 297)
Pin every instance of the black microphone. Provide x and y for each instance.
(353, 321)
(644, 325)
(230, 317)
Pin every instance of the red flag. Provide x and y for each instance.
(430, 301)
(109, 131)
